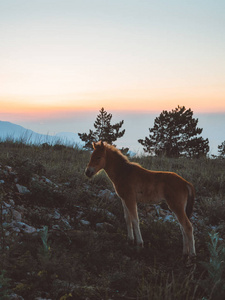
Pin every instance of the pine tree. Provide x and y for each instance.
(175, 133)
(221, 149)
(104, 131)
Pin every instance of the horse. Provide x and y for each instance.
(134, 183)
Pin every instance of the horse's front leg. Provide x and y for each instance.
(132, 221)
(128, 223)
(137, 232)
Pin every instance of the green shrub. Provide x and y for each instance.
(214, 284)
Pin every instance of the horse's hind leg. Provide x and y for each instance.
(185, 242)
(188, 237)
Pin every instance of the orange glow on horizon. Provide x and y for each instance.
(199, 100)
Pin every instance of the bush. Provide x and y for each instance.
(214, 284)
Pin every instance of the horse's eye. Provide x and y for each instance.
(99, 157)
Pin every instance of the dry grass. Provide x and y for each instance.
(86, 262)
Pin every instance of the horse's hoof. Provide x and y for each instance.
(140, 247)
(190, 261)
(185, 258)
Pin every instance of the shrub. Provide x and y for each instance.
(214, 284)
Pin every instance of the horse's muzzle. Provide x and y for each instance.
(89, 172)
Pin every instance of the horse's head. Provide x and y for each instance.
(97, 161)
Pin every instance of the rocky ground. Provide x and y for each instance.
(67, 240)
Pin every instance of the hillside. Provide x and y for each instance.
(64, 236)
(10, 131)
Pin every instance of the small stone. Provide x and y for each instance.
(16, 215)
(15, 297)
(46, 180)
(85, 222)
(106, 194)
(162, 213)
(12, 202)
(24, 227)
(5, 211)
(104, 225)
(66, 223)
(22, 189)
(6, 204)
(15, 229)
(103, 211)
(168, 218)
(56, 227)
(9, 168)
(56, 215)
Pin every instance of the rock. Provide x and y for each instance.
(7, 205)
(56, 215)
(24, 227)
(5, 208)
(162, 213)
(85, 222)
(46, 180)
(104, 211)
(14, 228)
(22, 189)
(5, 212)
(56, 227)
(169, 218)
(15, 297)
(80, 214)
(107, 194)
(104, 225)
(12, 202)
(66, 223)
(8, 168)
(16, 215)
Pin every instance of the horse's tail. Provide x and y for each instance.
(190, 200)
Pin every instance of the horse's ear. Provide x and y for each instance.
(102, 144)
(94, 145)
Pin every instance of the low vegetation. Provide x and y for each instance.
(65, 236)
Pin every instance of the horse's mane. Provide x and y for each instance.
(116, 151)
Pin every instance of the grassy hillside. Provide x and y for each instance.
(63, 236)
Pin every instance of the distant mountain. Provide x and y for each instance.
(10, 131)
(69, 137)
(19, 133)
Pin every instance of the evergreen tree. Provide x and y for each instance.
(104, 131)
(175, 133)
(221, 149)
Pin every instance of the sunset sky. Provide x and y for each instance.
(65, 56)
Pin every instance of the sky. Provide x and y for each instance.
(64, 59)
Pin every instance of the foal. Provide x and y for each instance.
(134, 183)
